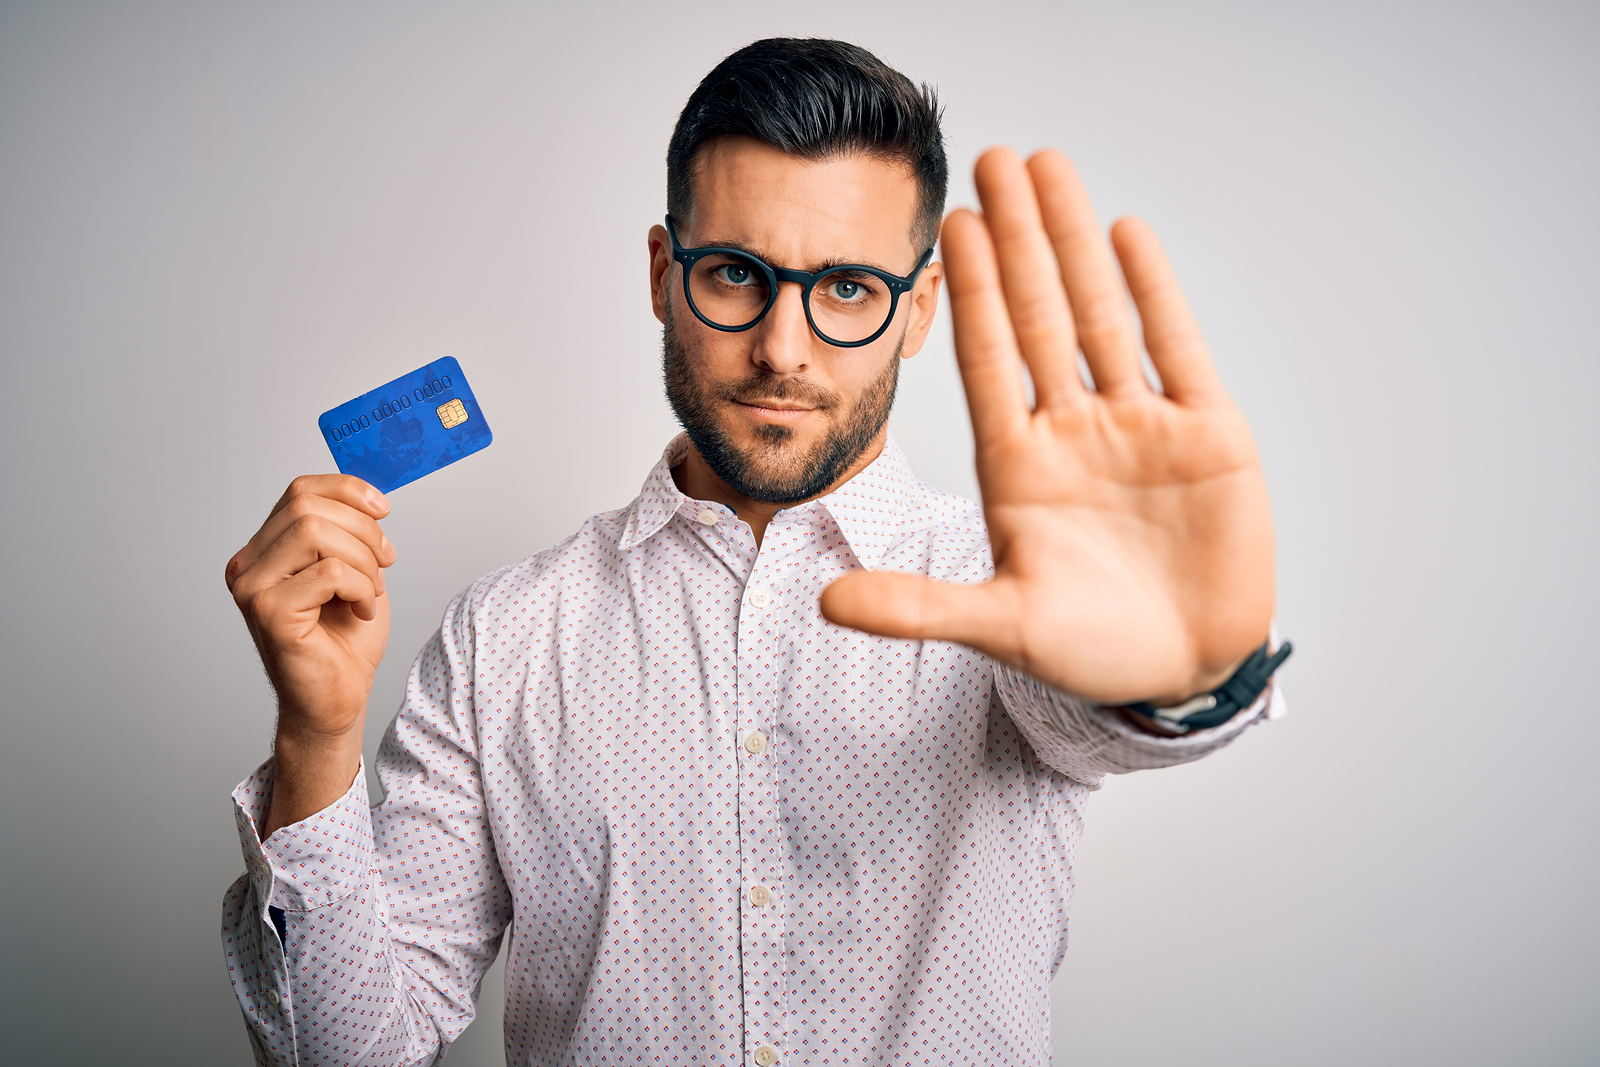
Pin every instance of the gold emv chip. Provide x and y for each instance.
(452, 414)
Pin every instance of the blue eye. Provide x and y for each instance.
(847, 291)
(735, 274)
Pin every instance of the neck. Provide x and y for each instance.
(695, 478)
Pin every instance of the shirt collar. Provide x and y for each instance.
(659, 497)
(877, 508)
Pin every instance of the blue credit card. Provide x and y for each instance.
(408, 428)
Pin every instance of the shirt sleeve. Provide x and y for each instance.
(1086, 742)
(360, 935)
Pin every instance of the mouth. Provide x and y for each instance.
(776, 410)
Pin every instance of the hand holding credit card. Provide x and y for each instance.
(408, 428)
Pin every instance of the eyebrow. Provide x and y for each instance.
(818, 267)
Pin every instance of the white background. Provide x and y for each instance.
(218, 220)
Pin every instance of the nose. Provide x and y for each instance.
(783, 338)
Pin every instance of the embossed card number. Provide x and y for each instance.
(407, 428)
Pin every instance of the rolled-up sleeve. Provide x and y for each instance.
(1086, 742)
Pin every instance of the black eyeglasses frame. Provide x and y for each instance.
(807, 280)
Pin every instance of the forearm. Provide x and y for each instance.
(310, 773)
(375, 964)
(303, 930)
(320, 973)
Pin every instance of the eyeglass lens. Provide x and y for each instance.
(847, 305)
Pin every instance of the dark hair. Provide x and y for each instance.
(814, 99)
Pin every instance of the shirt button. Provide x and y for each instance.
(756, 743)
(759, 597)
(766, 1055)
(272, 995)
(708, 516)
(760, 896)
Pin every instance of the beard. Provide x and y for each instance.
(776, 470)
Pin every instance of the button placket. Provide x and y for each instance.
(761, 846)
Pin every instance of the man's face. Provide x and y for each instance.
(777, 413)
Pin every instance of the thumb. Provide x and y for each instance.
(911, 606)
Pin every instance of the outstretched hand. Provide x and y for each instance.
(1131, 531)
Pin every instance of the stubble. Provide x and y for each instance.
(776, 470)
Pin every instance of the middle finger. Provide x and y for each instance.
(1093, 282)
(308, 540)
(358, 524)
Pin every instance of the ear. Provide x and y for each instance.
(660, 271)
(924, 302)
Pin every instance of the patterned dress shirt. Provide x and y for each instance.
(720, 829)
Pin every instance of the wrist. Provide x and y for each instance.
(1204, 681)
(310, 772)
(1242, 688)
(297, 736)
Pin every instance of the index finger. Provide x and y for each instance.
(345, 488)
(347, 502)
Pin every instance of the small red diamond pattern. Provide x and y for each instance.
(713, 827)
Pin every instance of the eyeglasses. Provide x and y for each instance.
(849, 305)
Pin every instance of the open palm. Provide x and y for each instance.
(1130, 527)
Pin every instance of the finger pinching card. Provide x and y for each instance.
(408, 428)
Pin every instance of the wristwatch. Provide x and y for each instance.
(1221, 704)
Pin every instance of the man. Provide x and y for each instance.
(784, 762)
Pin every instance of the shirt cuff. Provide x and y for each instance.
(1086, 742)
(312, 863)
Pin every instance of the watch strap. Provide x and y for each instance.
(1241, 690)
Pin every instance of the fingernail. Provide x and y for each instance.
(378, 500)
(380, 583)
(388, 550)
